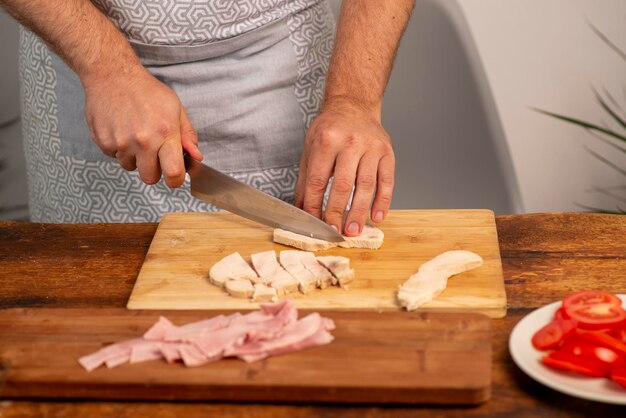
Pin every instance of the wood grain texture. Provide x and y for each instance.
(375, 357)
(592, 246)
(186, 245)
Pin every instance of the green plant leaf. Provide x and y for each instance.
(582, 123)
(606, 161)
(608, 109)
(607, 41)
(607, 142)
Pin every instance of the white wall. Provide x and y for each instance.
(542, 53)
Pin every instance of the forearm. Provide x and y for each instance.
(78, 32)
(367, 39)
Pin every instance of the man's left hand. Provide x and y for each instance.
(346, 141)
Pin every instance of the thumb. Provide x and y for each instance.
(188, 136)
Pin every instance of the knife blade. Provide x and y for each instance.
(225, 192)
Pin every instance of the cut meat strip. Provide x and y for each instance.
(371, 238)
(275, 329)
(303, 242)
(158, 331)
(183, 333)
(322, 275)
(231, 267)
(272, 273)
(432, 277)
(95, 360)
(264, 293)
(240, 288)
(290, 260)
(339, 267)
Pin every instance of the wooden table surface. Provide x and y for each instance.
(545, 256)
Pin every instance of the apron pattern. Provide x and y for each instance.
(176, 22)
(63, 188)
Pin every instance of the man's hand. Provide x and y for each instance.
(347, 141)
(141, 122)
(131, 115)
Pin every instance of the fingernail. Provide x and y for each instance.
(378, 216)
(353, 228)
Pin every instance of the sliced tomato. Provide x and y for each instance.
(618, 375)
(566, 361)
(581, 347)
(560, 314)
(600, 315)
(603, 339)
(591, 297)
(551, 335)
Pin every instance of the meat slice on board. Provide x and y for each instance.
(290, 260)
(432, 277)
(322, 275)
(231, 267)
(339, 267)
(371, 238)
(271, 272)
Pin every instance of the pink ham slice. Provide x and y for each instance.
(273, 330)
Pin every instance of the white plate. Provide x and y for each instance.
(529, 360)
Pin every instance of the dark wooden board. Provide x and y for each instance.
(391, 357)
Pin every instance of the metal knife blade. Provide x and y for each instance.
(228, 193)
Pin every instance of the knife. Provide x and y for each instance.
(225, 192)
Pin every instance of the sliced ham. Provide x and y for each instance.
(371, 238)
(273, 330)
(291, 262)
(231, 267)
(432, 277)
(339, 267)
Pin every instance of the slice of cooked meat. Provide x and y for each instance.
(432, 277)
(231, 267)
(303, 242)
(371, 238)
(290, 260)
(264, 293)
(339, 267)
(272, 273)
(322, 275)
(240, 288)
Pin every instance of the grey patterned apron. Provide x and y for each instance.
(250, 75)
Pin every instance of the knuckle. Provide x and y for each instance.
(366, 182)
(342, 185)
(316, 183)
(359, 212)
(386, 179)
(384, 199)
(334, 212)
(123, 145)
(175, 173)
(164, 130)
(325, 138)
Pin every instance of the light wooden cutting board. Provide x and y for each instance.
(185, 246)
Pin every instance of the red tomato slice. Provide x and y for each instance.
(560, 314)
(600, 315)
(591, 297)
(618, 375)
(567, 361)
(551, 335)
(584, 348)
(603, 339)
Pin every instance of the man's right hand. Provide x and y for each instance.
(140, 121)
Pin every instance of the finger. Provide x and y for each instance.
(384, 188)
(299, 196)
(363, 193)
(148, 167)
(126, 160)
(319, 169)
(189, 136)
(171, 162)
(346, 167)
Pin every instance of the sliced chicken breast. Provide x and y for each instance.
(432, 277)
(322, 275)
(371, 238)
(339, 267)
(290, 260)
